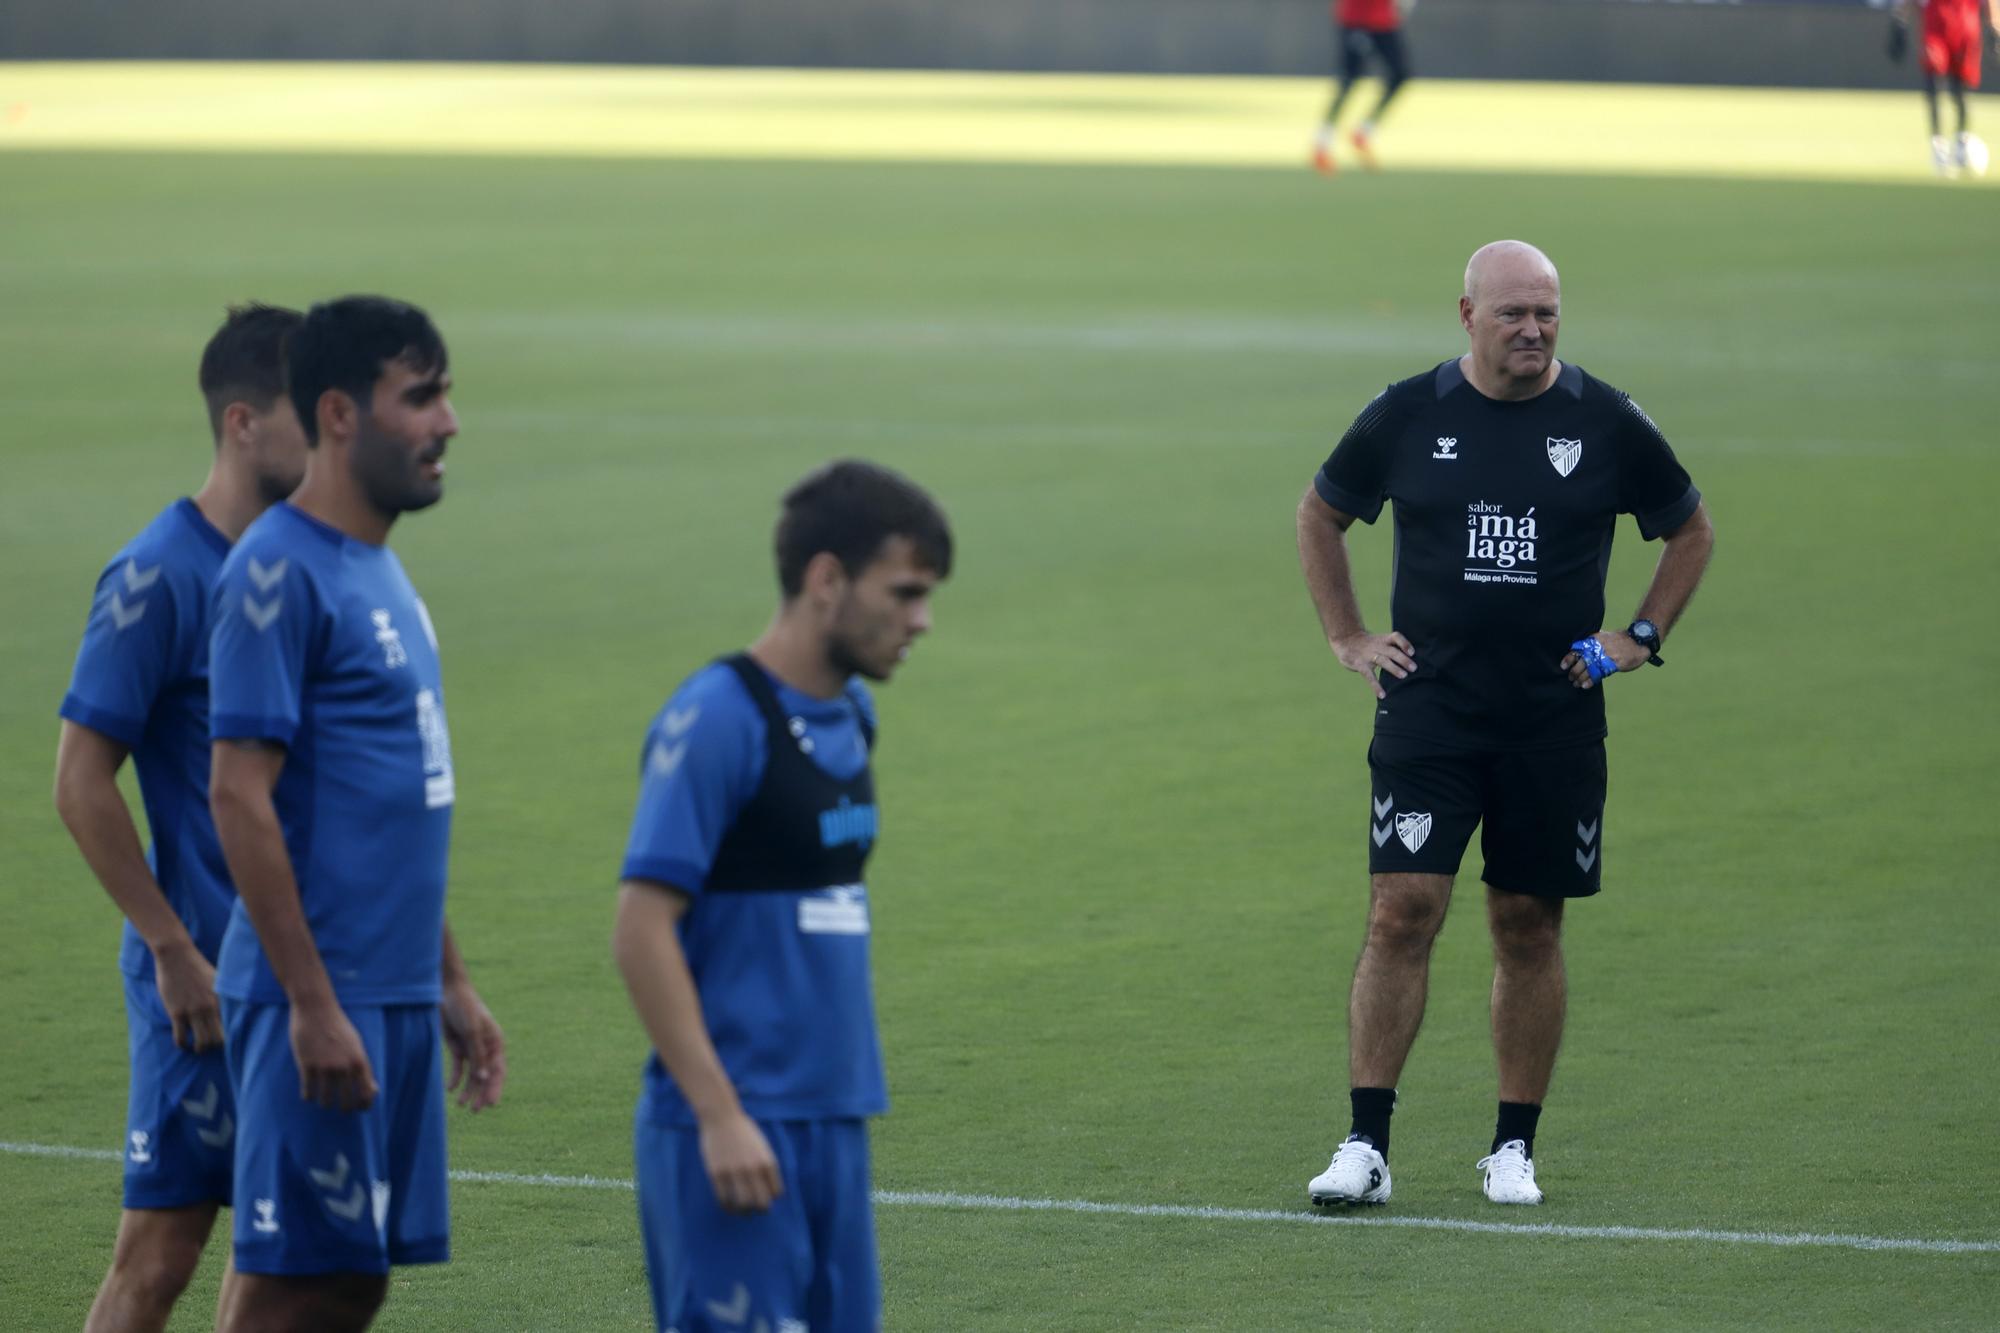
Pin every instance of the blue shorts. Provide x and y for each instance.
(808, 1262)
(327, 1191)
(180, 1119)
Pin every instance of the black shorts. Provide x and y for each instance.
(1540, 813)
(1357, 44)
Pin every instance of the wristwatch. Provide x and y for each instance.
(1647, 635)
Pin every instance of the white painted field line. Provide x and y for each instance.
(1003, 1203)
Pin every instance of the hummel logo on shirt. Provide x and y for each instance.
(1447, 445)
(391, 639)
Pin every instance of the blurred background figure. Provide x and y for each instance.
(1365, 28)
(1949, 49)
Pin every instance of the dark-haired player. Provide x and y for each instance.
(743, 925)
(1507, 470)
(140, 688)
(1364, 30)
(332, 792)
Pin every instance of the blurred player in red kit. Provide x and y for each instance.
(1366, 27)
(1949, 50)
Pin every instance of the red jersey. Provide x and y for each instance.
(1378, 15)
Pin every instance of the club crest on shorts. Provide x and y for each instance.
(1413, 828)
(1563, 454)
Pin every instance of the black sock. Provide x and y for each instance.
(1517, 1121)
(1372, 1108)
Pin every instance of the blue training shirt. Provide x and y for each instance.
(321, 645)
(141, 678)
(783, 976)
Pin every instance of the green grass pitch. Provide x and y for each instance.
(1121, 879)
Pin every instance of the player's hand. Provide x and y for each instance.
(333, 1064)
(1369, 653)
(1618, 646)
(478, 1051)
(740, 1163)
(186, 983)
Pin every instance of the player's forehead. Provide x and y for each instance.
(403, 373)
(898, 563)
(1527, 292)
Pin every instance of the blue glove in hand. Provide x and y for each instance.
(1595, 659)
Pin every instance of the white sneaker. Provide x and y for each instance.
(1943, 160)
(1510, 1174)
(1357, 1174)
(1970, 153)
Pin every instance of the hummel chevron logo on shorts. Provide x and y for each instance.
(1586, 837)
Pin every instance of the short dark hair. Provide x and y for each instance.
(345, 344)
(850, 508)
(245, 361)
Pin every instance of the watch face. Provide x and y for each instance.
(1644, 629)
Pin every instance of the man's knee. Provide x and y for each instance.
(1527, 931)
(330, 1303)
(1406, 912)
(157, 1254)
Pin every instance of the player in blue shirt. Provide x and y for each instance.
(743, 925)
(332, 792)
(140, 688)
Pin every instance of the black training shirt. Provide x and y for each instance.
(1504, 518)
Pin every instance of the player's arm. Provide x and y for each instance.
(1330, 581)
(333, 1064)
(478, 1050)
(1678, 573)
(94, 811)
(647, 949)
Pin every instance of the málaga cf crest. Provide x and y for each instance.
(1413, 828)
(1564, 453)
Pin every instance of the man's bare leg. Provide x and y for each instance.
(329, 1303)
(1392, 979)
(1530, 991)
(157, 1252)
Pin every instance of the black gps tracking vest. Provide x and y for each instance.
(776, 842)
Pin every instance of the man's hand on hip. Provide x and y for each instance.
(1618, 646)
(1368, 653)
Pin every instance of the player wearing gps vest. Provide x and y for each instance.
(743, 928)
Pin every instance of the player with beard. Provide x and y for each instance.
(140, 688)
(743, 923)
(332, 793)
(1508, 470)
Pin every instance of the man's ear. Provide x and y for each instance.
(1465, 313)
(338, 415)
(237, 419)
(825, 577)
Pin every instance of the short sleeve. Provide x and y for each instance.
(263, 617)
(127, 654)
(1355, 477)
(702, 761)
(1652, 485)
